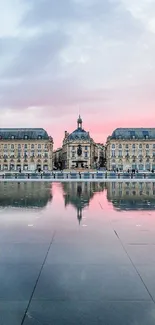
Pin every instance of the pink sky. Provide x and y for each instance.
(94, 57)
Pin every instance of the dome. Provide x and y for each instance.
(79, 134)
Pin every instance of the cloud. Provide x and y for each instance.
(58, 55)
(35, 54)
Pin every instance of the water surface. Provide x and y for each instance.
(77, 253)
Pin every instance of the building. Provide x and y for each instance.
(79, 149)
(57, 159)
(100, 155)
(132, 149)
(25, 149)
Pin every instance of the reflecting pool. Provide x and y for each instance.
(77, 253)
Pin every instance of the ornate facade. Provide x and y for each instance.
(25, 149)
(78, 150)
(131, 149)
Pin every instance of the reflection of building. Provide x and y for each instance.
(80, 194)
(131, 196)
(25, 195)
(79, 150)
(131, 149)
(25, 149)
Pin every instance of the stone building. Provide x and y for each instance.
(132, 149)
(25, 149)
(57, 158)
(79, 149)
(100, 155)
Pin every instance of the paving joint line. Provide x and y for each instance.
(132, 262)
(134, 265)
(37, 280)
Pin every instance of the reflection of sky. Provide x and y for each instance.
(98, 211)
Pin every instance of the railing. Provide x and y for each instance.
(75, 175)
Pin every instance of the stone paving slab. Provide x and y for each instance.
(11, 312)
(90, 312)
(90, 282)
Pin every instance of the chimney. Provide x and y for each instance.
(66, 133)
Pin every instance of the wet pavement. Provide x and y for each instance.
(77, 253)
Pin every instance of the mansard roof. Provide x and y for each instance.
(23, 133)
(133, 133)
(79, 134)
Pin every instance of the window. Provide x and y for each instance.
(140, 146)
(46, 146)
(86, 155)
(25, 137)
(32, 146)
(25, 146)
(153, 146)
(146, 134)
(39, 154)
(39, 146)
(86, 147)
(120, 153)
(147, 152)
(133, 146)
(127, 146)
(113, 146)
(132, 134)
(19, 146)
(12, 146)
(120, 146)
(73, 154)
(46, 155)
(5, 146)
(39, 136)
(147, 146)
(12, 137)
(113, 153)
